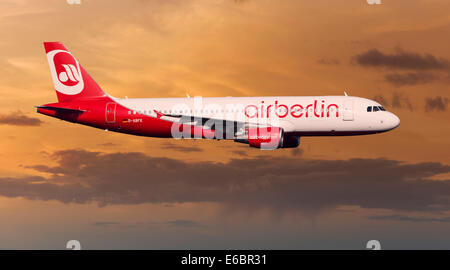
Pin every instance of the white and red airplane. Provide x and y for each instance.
(262, 122)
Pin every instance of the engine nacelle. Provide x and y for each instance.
(266, 138)
(291, 141)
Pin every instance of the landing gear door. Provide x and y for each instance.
(111, 113)
(348, 111)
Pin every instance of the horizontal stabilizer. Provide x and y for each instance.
(59, 109)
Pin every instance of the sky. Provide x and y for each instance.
(61, 181)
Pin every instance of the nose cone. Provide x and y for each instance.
(393, 121)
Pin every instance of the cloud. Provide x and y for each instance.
(105, 223)
(179, 223)
(437, 103)
(297, 151)
(184, 223)
(410, 218)
(424, 68)
(397, 100)
(19, 119)
(279, 183)
(181, 148)
(401, 60)
(107, 144)
(240, 153)
(400, 101)
(410, 78)
(382, 100)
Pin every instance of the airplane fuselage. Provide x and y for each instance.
(302, 116)
(282, 120)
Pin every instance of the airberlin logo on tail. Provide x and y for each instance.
(70, 73)
(66, 72)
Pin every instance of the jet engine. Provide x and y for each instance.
(291, 141)
(268, 138)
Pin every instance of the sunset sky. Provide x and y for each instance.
(61, 181)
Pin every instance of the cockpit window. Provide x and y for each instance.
(375, 108)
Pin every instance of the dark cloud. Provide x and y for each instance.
(400, 101)
(105, 223)
(241, 153)
(411, 218)
(108, 144)
(382, 100)
(426, 68)
(181, 148)
(410, 78)
(19, 119)
(397, 100)
(180, 223)
(401, 60)
(437, 103)
(262, 182)
(296, 152)
(184, 223)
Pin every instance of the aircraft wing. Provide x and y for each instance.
(220, 126)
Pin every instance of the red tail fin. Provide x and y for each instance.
(70, 79)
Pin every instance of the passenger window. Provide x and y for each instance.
(375, 108)
(369, 109)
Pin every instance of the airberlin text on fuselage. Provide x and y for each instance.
(296, 110)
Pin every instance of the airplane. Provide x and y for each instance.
(268, 123)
